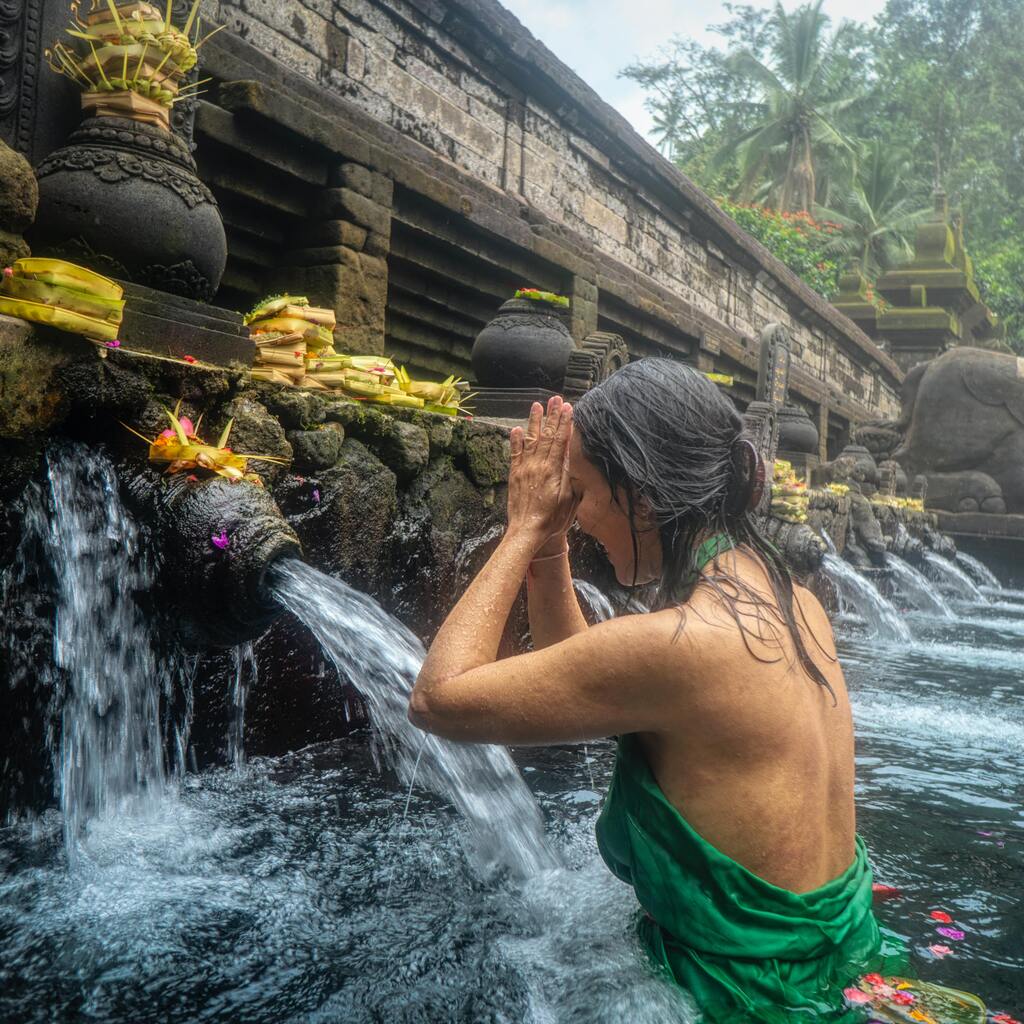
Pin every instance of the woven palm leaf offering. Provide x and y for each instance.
(181, 448)
(288, 332)
(63, 295)
(789, 494)
(130, 60)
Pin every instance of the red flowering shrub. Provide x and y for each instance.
(795, 238)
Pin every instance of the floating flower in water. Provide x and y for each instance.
(987, 835)
(885, 892)
(189, 359)
(1004, 1018)
(8, 271)
(855, 995)
(903, 998)
(874, 979)
(941, 915)
(316, 495)
(940, 951)
(116, 343)
(951, 933)
(220, 540)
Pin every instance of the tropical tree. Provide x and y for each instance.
(805, 88)
(877, 211)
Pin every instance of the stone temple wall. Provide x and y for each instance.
(412, 162)
(643, 251)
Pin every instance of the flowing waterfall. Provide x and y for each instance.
(382, 658)
(243, 657)
(108, 757)
(954, 577)
(917, 588)
(854, 590)
(982, 574)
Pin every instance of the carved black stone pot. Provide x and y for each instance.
(123, 198)
(866, 471)
(527, 345)
(797, 432)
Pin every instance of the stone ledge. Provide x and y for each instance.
(981, 524)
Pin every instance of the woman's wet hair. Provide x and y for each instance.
(667, 440)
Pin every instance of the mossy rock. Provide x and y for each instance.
(316, 450)
(297, 410)
(345, 516)
(255, 432)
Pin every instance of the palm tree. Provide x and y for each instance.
(804, 93)
(666, 125)
(877, 212)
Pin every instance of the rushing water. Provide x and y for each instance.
(107, 750)
(862, 596)
(337, 885)
(382, 658)
(914, 586)
(981, 573)
(246, 678)
(596, 600)
(949, 574)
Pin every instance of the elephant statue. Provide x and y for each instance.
(963, 428)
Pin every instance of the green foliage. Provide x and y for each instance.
(781, 113)
(800, 241)
(999, 272)
(877, 212)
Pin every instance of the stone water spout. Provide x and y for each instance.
(216, 542)
(222, 539)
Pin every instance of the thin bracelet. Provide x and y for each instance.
(548, 558)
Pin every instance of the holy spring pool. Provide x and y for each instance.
(408, 879)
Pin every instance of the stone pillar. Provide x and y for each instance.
(341, 258)
(823, 430)
(583, 315)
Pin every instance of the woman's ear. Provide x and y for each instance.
(644, 514)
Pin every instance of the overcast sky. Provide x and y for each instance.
(597, 38)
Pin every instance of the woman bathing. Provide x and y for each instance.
(731, 809)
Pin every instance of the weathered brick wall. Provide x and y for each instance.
(472, 86)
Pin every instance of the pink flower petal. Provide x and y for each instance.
(885, 892)
(941, 915)
(220, 540)
(939, 950)
(855, 995)
(951, 933)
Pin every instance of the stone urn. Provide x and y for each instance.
(527, 345)
(865, 470)
(122, 196)
(797, 432)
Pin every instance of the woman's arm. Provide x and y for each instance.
(615, 677)
(540, 506)
(551, 598)
(619, 676)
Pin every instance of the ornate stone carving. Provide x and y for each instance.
(113, 165)
(126, 194)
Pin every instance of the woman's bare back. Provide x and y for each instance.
(759, 758)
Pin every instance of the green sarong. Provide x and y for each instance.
(745, 949)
